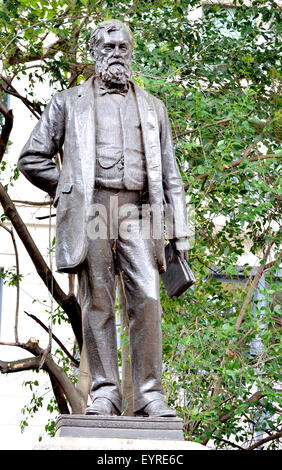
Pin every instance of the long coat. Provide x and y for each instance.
(68, 122)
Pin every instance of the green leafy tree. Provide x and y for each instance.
(218, 73)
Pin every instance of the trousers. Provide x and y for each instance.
(133, 259)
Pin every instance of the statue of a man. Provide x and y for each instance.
(117, 153)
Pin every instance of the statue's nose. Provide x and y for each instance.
(116, 52)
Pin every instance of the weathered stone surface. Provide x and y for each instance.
(119, 427)
(111, 444)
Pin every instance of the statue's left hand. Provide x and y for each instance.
(181, 248)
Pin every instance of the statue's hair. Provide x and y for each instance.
(108, 26)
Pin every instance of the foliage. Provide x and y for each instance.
(36, 403)
(218, 74)
(10, 276)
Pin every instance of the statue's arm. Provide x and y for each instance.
(36, 158)
(172, 184)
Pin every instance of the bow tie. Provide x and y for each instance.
(103, 90)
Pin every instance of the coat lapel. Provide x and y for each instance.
(151, 139)
(84, 117)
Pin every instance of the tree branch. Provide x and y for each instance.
(18, 280)
(233, 165)
(251, 159)
(228, 415)
(67, 302)
(192, 131)
(266, 439)
(241, 315)
(34, 108)
(260, 125)
(73, 360)
(59, 377)
(50, 51)
(254, 398)
(253, 287)
(59, 395)
(31, 203)
(227, 442)
(7, 367)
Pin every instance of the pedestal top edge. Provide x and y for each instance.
(123, 418)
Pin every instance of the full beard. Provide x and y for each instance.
(113, 74)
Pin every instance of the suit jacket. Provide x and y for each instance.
(68, 122)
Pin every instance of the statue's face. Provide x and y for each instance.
(113, 57)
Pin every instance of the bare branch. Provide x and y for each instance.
(31, 363)
(9, 343)
(73, 360)
(31, 203)
(18, 280)
(59, 377)
(67, 302)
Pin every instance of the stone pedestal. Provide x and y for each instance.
(113, 446)
(120, 433)
(119, 427)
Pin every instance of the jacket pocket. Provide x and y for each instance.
(62, 188)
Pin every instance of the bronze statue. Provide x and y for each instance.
(118, 154)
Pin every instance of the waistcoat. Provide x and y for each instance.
(120, 159)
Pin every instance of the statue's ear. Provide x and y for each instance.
(93, 55)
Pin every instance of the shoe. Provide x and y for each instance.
(103, 407)
(156, 408)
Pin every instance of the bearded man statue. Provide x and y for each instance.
(118, 153)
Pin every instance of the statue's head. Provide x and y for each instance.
(111, 46)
